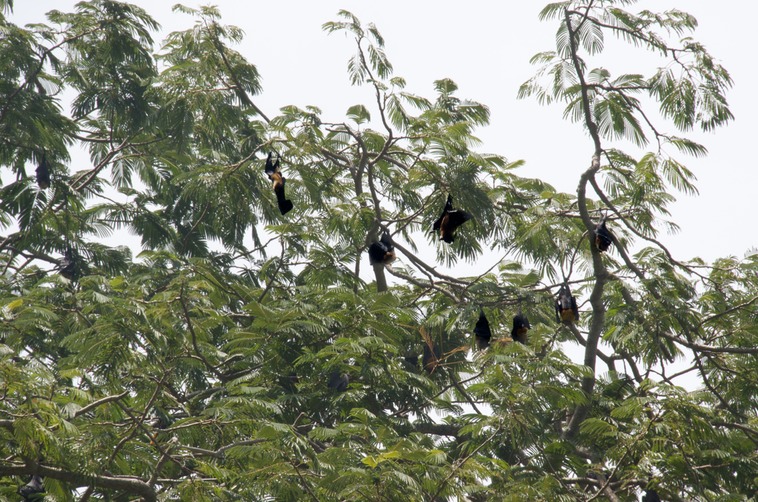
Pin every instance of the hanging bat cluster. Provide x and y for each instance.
(275, 175)
(450, 220)
(565, 306)
(520, 328)
(32, 490)
(382, 251)
(43, 173)
(603, 236)
(482, 331)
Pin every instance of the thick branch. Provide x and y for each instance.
(219, 453)
(437, 429)
(97, 403)
(424, 267)
(420, 284)
(127, 483)
(707, 348)
(601, 274)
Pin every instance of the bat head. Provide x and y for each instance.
(271, 165)
(386, 240)
(520, 321)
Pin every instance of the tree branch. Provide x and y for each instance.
(128, 484)
(97, 403)
(601, 274)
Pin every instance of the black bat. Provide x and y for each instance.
(70, 265)
(43, 173)
(449, 220)
(520, 328)
(411, 360)
(275, 175)
(482, 331)
(431, 358)
(338, 381)
(565, 306)
(603, 236)
(32, 489)
(651, 496)
(382, 251)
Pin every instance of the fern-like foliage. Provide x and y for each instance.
(243, 354)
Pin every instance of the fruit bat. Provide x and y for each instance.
(159, 420)
(381, 251)
(520, 328)
(603, 237)
(565, 306)
(70, 266)
(411, 361)
(482, 331)
(431, 358)
(338, 381)
(651, 496)
(43, 173)
(449, 220)
(275, 175)
(33, 489)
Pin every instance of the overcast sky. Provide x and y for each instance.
(485, 46)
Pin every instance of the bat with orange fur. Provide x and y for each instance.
(274, 173)
(450, 220)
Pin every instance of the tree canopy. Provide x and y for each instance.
(247, 354)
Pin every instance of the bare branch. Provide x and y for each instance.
(99, 402)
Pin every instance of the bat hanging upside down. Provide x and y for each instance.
(275, 175)
(520, 328)
(43, 173)
(432, 356)
(566, 309)
(449, 220)
(603, 236)
(482, 331)
(338, 381)
(382, 251)
(71, 265)
(651, 496)
(32, 490)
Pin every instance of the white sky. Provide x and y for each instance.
(485, 46)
